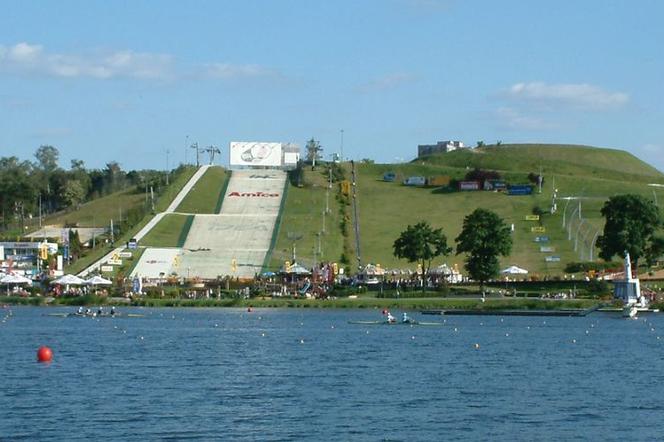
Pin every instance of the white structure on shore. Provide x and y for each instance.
(628, 289)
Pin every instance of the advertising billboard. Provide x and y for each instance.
(520, 189)
(469, 185)
(255, 154)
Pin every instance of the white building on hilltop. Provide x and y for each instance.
(439, 147)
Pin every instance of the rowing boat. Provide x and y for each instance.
(94, 315)
(395, 323)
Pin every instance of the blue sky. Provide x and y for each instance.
(129, 80)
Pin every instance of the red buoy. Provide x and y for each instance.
(44, 354)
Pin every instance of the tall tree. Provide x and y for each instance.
(17, 189)
(47, 158)
(313, 151)
(484, 237)
(632, 224)
(421, 243)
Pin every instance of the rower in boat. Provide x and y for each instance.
(391, 319)
(100, 311)
(80, 310)
(405, 319)
(113, 311)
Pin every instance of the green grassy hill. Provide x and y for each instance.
(386, 208)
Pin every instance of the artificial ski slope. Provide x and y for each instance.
(232, 242)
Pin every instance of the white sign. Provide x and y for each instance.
(255, 154)
(291, 158)
(106, 268)
(125, 254)
(114, 262)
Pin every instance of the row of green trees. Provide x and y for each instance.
(26, 187)
(633, 224)
(484, 237)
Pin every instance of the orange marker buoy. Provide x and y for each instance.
(44, 354)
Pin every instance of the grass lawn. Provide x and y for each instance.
(99, 212)
(386, 209)
(171, 231)
(207, 194)
(303, 218)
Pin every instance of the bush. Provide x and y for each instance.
(598, 286)
(482, 175)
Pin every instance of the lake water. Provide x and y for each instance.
(286, 374)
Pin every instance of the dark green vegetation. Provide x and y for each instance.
(632, 225)
(588, 175)
(29, 188)
(421, 244)
(484, 238)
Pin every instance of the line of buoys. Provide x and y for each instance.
(44, 354)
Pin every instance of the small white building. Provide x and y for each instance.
(439, 147)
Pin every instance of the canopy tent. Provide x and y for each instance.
(12, 279)
(514, 270)
(373, 270)
(296, 269)
(69, 280)
(441, 270)
(98, 280)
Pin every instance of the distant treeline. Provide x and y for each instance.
(27, 185)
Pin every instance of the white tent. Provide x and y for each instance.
(69, 280)
(98, 280)
(297, 269)
(514, 270)
(15, 279)
(441, 270)
(373, 270)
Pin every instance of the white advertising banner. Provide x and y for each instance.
(291, 158)
(255, 154)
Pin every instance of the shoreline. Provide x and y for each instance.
(496, 304)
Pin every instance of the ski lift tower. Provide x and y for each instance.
(211, 150)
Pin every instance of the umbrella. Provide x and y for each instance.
(69, 280)
(514, 270)
(98, 280)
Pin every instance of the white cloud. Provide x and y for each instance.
(585, 96)
(386, 82)
(228, 71)
(24, 57)
(101, 65)
(513, 119)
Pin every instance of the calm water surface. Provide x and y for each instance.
(226, 374)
